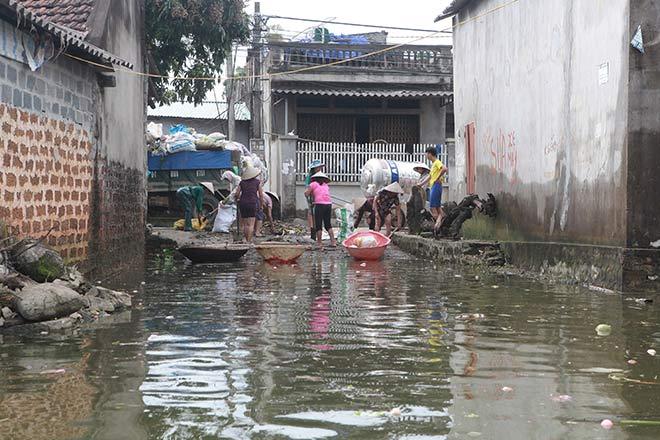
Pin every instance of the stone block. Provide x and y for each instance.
(12, 74)
(42, 302)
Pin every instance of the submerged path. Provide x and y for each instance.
(332, 348)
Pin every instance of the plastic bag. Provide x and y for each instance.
(155, 130)
(225, 218)
(345, 225)
(366, 242)
(179, 128)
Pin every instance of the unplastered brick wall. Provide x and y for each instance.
(46, 179)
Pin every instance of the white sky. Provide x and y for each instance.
(408, 13)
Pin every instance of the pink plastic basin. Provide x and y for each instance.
(367, 254)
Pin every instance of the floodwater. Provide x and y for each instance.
(332, 348)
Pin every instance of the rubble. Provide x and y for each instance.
(40, 294)
(37, 261)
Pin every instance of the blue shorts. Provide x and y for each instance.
(436, 195)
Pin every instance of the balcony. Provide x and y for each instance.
(286, 56)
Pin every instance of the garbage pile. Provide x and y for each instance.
(181, 138)
(38, 292)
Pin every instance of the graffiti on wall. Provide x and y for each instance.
(502, 151)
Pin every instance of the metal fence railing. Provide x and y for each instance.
(344, 161)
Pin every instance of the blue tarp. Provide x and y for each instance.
(191, 160)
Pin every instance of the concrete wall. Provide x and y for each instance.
(432, 121)
(120, 194)
(644, 128)
(73, 154)
(206, 126)
(550, 134)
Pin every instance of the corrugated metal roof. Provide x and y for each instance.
(206, 110)
(67, 36)
(361, 92)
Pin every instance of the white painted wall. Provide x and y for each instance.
(551, 137)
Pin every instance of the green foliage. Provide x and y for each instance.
(192, 38)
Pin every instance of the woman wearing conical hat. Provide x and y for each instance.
(386, 200)
(319, 190)
(249, 194)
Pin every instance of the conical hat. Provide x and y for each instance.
(394, 188)
(321, 175)
(209, 186)
(250, 173)
(422, 166)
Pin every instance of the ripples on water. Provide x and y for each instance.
(329, 348)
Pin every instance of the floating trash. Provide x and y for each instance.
(603, 330)
(607, 424)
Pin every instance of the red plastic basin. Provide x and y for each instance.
(367, 254)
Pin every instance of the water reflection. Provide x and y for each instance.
(333, 348)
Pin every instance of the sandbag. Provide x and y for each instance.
(179, 142)
(224, 219)
(180, 225)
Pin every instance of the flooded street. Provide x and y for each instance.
(332, 348)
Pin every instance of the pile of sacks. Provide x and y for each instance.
(38, 292)
(182, 138)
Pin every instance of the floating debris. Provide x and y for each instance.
(470, 316)
(601, 370)
(507, 389)
(395, 412)
(651, 352)
(607, 424)
(562, 398)
(604, 330)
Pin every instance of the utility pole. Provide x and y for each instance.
(231, 98)
(257, 98)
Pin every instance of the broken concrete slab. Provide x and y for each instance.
(42, 302)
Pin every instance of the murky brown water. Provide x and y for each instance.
(328, 348)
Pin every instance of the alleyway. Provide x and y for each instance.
(337, 349)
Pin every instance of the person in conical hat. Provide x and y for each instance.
(386, 201)
(319, 191)
(191, 198)
(424, 174)
(314, 167)
(249, 195)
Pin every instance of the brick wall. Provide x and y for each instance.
(56, 176)
(46, 179)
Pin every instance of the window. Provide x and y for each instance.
(201, 173)
(174, 174)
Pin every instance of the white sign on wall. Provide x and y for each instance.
(603, 73)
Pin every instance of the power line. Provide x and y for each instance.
(278, 17)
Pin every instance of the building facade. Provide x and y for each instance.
(72, 145)
(557, 115)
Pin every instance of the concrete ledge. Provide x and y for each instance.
(601, 266)
(451, 252)
(608, 267)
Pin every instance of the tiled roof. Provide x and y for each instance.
(72, 14)
(453, 9)
(67, 35)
